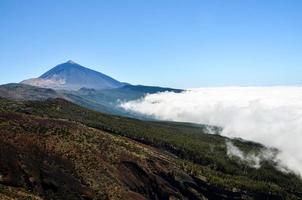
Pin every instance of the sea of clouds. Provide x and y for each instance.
(269, 115)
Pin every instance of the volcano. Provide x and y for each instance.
(72, 76)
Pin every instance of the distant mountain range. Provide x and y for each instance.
(80, 85)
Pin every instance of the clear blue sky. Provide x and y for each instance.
(176, 43)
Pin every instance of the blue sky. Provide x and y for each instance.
(176, 43)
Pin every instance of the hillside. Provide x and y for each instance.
(106, 100)
(23, 92)
(57, 159)
(55, 142)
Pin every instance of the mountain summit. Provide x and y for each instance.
(72, 76)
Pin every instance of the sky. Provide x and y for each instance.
(175, 43)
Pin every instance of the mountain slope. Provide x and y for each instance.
(84, 87)
(64, 137)
(57, 159)
(109, 100)
(72, 76)
(106, 100)
(16, 91)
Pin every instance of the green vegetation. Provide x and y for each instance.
(192, 148)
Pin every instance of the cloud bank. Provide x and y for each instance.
(269, 115)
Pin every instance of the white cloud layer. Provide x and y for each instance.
(269, 115)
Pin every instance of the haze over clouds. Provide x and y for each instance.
(269, 115)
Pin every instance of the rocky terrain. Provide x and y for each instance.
(47, 154)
